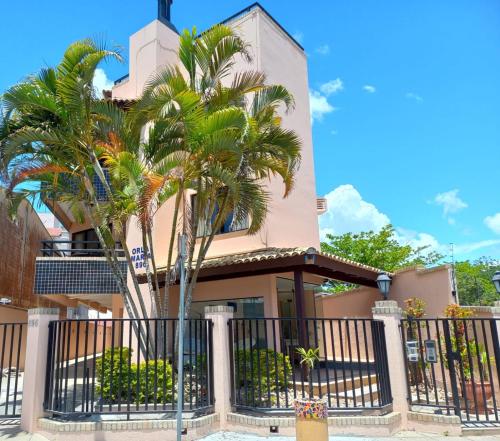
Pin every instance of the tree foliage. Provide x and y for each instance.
(474, 281)
(199, 127)
(379, 249)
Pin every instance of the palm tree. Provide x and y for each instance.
(207, 134)
(225, 137)
(53, 125)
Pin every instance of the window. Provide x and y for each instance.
(228, 226)
(249, 307)
(81, 239)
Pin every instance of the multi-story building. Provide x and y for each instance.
(274, 273)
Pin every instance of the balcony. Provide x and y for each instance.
(75, 268)
(62, 208)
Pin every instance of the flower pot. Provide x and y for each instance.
(476, 389)
(311, 419)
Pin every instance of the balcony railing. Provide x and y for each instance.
(70, 184)
(75, 248)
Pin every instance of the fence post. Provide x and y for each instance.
(495, 314)
(35, 365)
(221, 359)
(391, 314)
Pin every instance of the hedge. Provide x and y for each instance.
(256, 368)
(113, 380)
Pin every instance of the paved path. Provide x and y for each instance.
(402, 436)
(9, 431)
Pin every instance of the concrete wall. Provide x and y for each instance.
(431, 285)
(20, 244)
(292, 222)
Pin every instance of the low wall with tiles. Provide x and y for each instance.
(385, 425)
(150, 430)
(448, 425)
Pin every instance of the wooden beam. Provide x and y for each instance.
(321, 266)
(300, 307)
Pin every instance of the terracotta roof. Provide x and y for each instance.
(124, 104)
(276, 253)
(280, 260)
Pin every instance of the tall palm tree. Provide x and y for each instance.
(210, 131)
(225, 136)
(53, 125)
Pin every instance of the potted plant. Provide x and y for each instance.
(480, 387)
(469, 351)
(311, 415)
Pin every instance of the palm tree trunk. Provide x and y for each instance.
(122, 284)
(202, 254)
(165, 299)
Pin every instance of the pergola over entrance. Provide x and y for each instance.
(286, 260)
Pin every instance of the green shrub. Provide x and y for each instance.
(148, 387)
(110, 383)
(257, 368)
(113, 382)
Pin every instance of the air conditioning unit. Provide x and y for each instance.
(321, 205)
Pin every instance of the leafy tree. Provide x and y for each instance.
(377, 249)
(474, 281)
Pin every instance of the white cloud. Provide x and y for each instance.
(332, 87)
(349, 212)
(369, 88)
(324, 49)
(319, 105)
(467, 248)
(493, 223)
(101, 82)
(451, 203)
(418, 240)
(414, 96)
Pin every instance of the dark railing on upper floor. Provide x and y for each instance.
(75, 248)
(71, 185)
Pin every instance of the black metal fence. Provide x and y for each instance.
(266, 373)
(76, 248)
(12, 357)
(102, 367)
(453, 366)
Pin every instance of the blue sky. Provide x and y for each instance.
(406, 100)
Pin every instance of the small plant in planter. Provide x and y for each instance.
(477, 380)
(473, 365)
(311, 414)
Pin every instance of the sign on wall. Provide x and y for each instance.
(138, 257)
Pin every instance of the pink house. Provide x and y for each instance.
(279, 271)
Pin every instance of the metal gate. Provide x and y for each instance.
(12, 357)
(101, 367)
(453, 367)
(352, 373)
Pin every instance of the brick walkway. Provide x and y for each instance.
(403, 436)
(9, 431)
